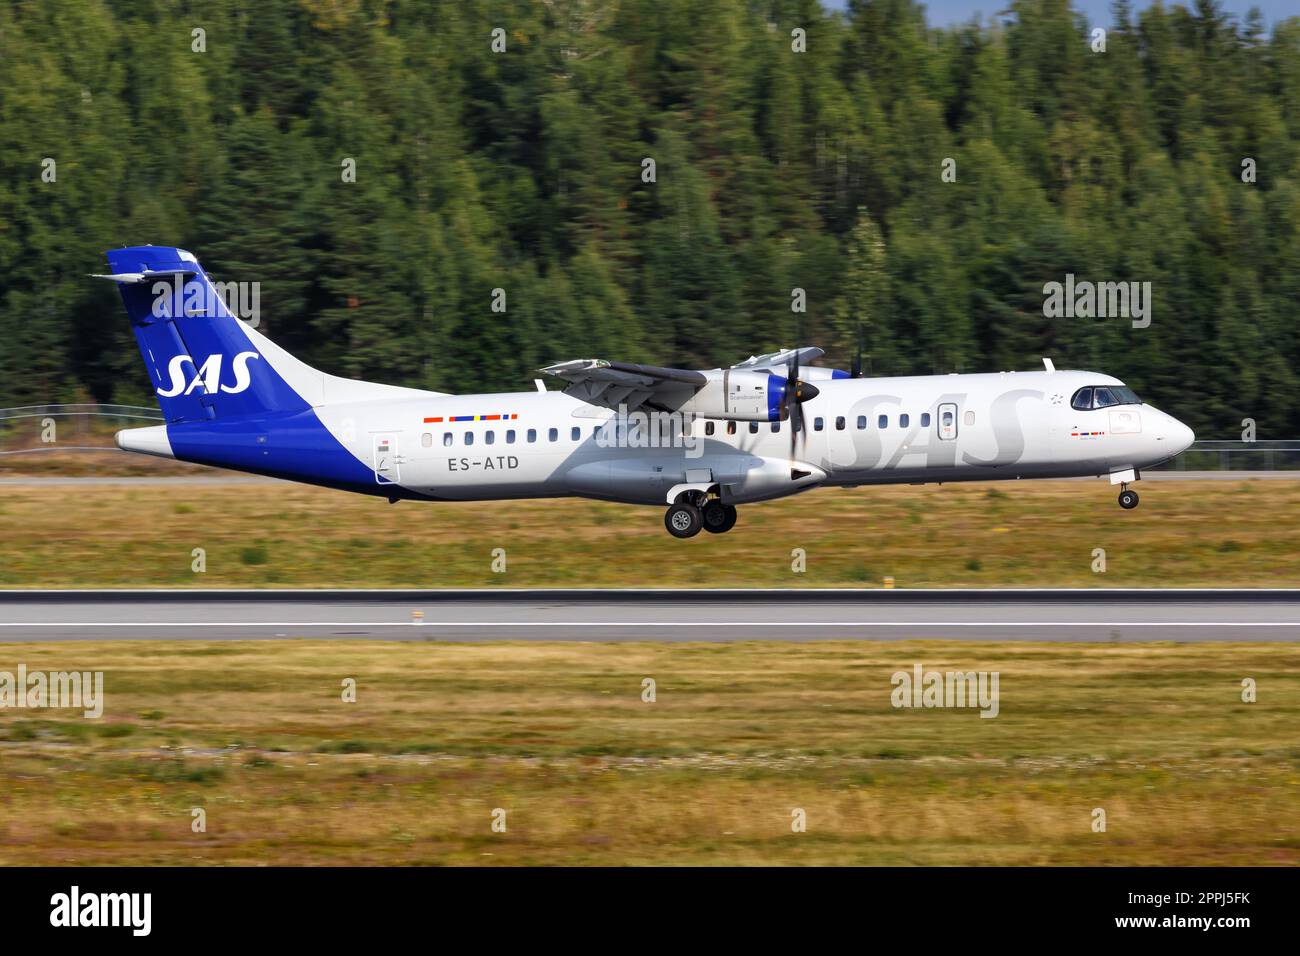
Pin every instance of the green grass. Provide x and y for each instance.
(1186, 533)
(740, 735)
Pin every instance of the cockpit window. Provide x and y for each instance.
(1103, 396)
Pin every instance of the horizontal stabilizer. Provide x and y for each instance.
(132, 278)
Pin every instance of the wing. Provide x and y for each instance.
(625, 385)
(615, 384)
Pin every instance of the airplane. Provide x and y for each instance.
(697, 442)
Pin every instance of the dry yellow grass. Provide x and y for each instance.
(1185, 533)
(557, 735)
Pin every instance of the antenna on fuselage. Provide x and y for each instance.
(856, 369)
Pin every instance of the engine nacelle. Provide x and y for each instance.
(738, 394)
(815, 373)
(652, 478)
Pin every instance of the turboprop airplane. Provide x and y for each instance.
(700, 442)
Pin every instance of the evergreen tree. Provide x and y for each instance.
(1173, 158)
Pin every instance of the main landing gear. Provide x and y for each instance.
(684, 519)
(1128, 499)
(719, 518)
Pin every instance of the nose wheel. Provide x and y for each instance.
(1128, 500)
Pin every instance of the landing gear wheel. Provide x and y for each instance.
(683, 520)
(719, 518)
(1128, 499)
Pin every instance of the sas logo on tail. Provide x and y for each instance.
(209, 376)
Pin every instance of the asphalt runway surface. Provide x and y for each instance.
(655, 615)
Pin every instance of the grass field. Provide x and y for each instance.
(557, 735)
(267, 534)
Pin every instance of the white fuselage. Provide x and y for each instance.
(234, 399)
(858, 431)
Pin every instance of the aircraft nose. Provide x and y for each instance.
(1180, 436)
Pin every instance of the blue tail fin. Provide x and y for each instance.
(203, 362)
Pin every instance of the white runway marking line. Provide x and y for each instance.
(654, 624)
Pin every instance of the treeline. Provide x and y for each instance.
(225, 126)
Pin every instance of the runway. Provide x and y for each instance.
(655, 615)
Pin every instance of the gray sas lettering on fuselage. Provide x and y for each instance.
(938, 454)
(941, 453)
(1008, 430)
(866, 443)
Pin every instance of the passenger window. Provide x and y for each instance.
(469, 438)
(576, 434)
(532, 435)
(903, 420)
(776, 427)
(426, 440)
(446, 439)
(882, 421)
(708, 428)
(818, 423)
(1082, 400)
(731, 428)
(553, 434)
(510, 436)
(753, 428)
(925, 419)
(862, 422)
(490, 437)
(839, 423)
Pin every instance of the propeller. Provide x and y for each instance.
(796, 393)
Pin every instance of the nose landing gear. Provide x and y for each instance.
(1128, 500)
